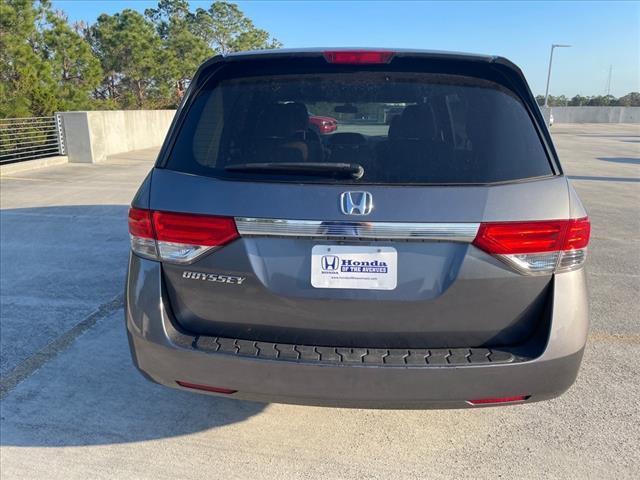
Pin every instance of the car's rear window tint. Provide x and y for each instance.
(402, 128)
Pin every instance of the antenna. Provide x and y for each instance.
(609, 80)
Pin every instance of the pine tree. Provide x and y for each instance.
(27, 86)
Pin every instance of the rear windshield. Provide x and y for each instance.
(399, 127)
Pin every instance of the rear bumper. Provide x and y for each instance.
(166, 355)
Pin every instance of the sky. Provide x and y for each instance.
(603, 35)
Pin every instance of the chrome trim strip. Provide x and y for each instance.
(272, 227)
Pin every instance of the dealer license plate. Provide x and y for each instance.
(345, 266)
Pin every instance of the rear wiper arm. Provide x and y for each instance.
(318, 169)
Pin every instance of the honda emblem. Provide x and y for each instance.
(356, 203)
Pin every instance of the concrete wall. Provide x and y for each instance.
(596, 114)
(92, 136)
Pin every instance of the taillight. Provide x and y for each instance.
(143, 240)
(177, 237)
(358, 57)
(537, 247)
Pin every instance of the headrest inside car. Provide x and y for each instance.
(283, 119)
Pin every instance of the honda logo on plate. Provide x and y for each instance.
(356, 203)
(330, 262)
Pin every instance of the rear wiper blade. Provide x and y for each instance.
(319, 169)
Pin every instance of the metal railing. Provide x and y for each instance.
(30, 138)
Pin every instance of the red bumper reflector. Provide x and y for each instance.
(358, 57)
(486, 401)
(206, 388)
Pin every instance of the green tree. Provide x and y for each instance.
(129, 49)
(27, 87)
(630, 100)
(578, 101)
(184, 50)
(188, 38)
(44, 64)
(226, 28)
(125, 60)
(167, 11)
(601, 101)
(560, 101)
(254, 39)
(75, 69)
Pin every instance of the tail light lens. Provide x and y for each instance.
(177, 237)
(141, 233)
(537, 248)
(358, 57)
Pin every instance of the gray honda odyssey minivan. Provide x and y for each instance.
(426, 253)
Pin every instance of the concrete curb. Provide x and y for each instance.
(18, 167)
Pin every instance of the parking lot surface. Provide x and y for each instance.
(73, 406)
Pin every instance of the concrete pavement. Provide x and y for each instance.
(64, 244)
(79, 409)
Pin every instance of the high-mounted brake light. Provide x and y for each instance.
(540, 247)
(358, 57)
(177, 237)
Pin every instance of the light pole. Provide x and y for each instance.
(546, 93)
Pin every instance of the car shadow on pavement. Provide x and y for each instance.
(627, 160)
(92, 394)
(89, 392)
(606, 135)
